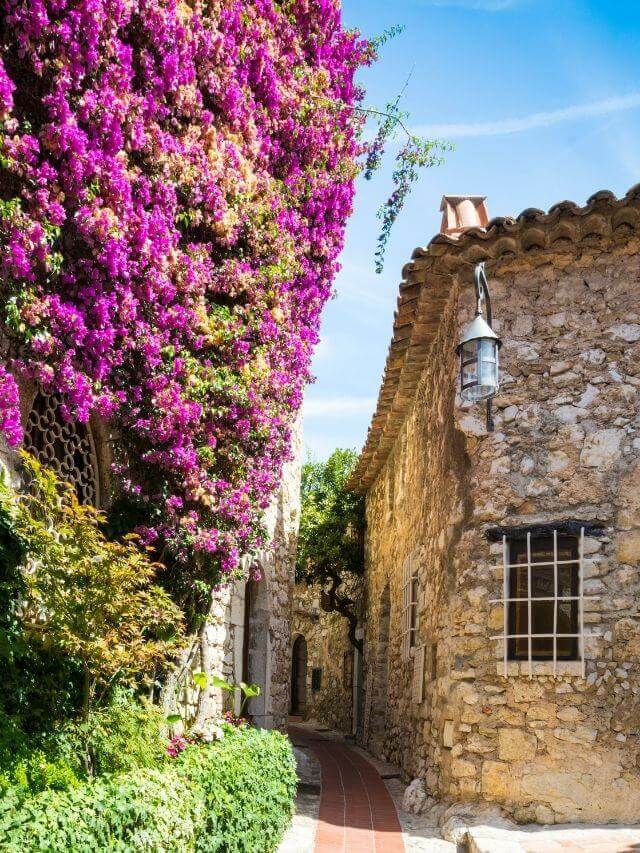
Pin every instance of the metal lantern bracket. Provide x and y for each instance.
(481, 328)
(483, 296)
(482, 292)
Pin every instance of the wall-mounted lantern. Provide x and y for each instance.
(478, 350)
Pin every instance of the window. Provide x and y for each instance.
(316, 679)
(410, 589)
(64, 446)
(543, 599)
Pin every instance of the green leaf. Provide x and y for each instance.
(221, 683)
(172, 719)
(201, 679)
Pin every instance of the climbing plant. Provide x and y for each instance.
(175, 180)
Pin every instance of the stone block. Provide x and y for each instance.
(629, 513)
(516, 745)
(479, 745)
(544, 713)
(496, 780)
(527, 691)
(629, 547)
(461, 768)
(545, 815)
(581, 734)
(555, 787)
(415, 799)
(629, 332)
(570, 714)
(508, 716)
(601, 448)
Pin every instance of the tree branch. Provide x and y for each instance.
(397, 120)
(342, 605)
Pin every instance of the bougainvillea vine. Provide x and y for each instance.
(175, 178)
(175, 181)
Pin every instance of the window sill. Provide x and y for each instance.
(540, 667)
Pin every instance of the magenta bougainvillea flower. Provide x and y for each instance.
(175, 178)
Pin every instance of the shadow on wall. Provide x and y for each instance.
(380, 678)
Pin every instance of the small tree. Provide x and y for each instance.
(83, 595)
(330, 544)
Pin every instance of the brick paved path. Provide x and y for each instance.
(357, 815)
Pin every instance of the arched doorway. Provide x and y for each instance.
(299, 676)
(257, 649)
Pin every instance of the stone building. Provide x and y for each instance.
(326, 667)
(533, 704)
(247, 635)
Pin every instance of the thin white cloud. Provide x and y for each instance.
(337, 406)
(480, 5)
(576, 112)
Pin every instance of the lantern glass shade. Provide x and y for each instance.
(479, 369)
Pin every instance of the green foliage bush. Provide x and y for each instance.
(231, 796)
(32, 763)
(38, 771)
(125, 734)
(39, 685)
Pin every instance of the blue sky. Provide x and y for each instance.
(542, 101)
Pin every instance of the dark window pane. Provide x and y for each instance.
(542, 549)
(542, 648)
(518, 648)
(518, 581)
(542, 617)
(518, 551)
(567, 548)
(518, 617)
(567, 617)
(568, 581)
(567, 648)
(542, 582)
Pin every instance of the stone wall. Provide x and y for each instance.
(329, 650)
(566, 445)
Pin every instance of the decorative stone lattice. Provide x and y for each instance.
(65, 447)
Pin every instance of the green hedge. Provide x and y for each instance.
(233, 796)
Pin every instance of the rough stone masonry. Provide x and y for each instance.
(548, 743)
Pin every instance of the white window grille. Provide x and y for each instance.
(543, 601)
(409, 605)
(65, 447)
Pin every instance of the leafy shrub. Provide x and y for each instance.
(32, 763)
(125, 734)
(39, 685)
(102, 609)
(232, 796)
(40, 772)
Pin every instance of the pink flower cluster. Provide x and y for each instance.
(178, 744)
(175, 179)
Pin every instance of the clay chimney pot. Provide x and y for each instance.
(460, 212)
